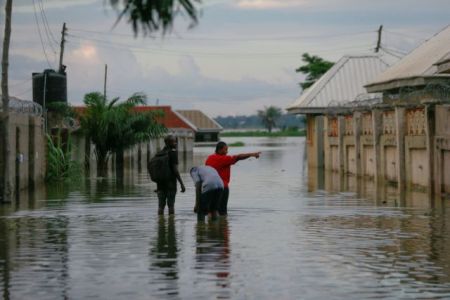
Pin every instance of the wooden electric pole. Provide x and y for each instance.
(5, 184)
(379, 39)
(61, 51)
(104, 85)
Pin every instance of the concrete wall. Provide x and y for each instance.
(315, 141)
(408, 146)
(27, 152)
(135, 157)
(442, 154)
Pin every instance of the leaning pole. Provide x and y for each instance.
(5, 184)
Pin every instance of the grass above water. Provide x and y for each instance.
(262, 133)
(237, 144)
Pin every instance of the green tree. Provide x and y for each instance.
(113, 126)
(314, 67)
(154, 15)
(269, 116)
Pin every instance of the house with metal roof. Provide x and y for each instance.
(429, 63)
(206, 129)
(415, 118)
(341, 86)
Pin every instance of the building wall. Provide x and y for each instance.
(26, 152)
(408, 146)
(442, 154)
(315, 141)
(135, 157)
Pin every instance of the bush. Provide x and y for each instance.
(60, 167)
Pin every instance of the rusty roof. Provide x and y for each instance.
(170, 118)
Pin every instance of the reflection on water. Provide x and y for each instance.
(163, 255)
(212, 257)
(291, 233)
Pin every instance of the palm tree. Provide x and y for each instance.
(112, 126)
(269, 116)
(153, 15)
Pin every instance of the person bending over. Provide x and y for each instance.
(208, 190)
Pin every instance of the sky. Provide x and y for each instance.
(239, 58)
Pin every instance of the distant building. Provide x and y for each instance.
(206, 129)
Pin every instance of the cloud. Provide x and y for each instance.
(24, 6)
(269, 4)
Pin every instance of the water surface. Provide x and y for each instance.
(288, 235)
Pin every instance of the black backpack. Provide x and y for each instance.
(159, 167)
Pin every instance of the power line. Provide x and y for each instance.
(41, 4)
(51, 39)
(23, 92)
(122, 46)
(405, 35)
(40, 35)
(22, 82)
(394, 50)
(239, 39)
(391, 53)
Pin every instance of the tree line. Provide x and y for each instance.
(285, 121)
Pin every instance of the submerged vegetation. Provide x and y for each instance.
(60, 166)
(237, 144)
(113, 126)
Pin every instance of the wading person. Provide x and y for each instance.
(222, 162)
(208, 190)
(163, 169)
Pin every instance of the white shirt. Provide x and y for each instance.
(208, 176)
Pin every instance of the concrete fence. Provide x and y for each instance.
(27, 152)
(407, 146)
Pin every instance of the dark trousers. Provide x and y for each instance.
(166, 197)
(223, 202)
(208, 203)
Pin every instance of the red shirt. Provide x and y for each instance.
(222, 163)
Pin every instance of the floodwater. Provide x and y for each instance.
(289, 235)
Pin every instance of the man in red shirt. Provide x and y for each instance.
(222, 163)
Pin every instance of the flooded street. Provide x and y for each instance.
(101, 240)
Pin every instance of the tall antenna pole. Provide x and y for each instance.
(61, 52)
(379, 39)
(104, 86)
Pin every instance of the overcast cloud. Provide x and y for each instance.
(238, 59)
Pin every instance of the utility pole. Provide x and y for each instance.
(5, 184)
(379, 39)
(61, 51)
(104, 85)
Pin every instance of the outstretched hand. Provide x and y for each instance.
(257, 154)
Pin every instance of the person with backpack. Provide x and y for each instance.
(222, 163)
(163, 169)
(208, 190)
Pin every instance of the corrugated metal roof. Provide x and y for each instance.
(342, 83)
(419, 62)
(201, 121)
